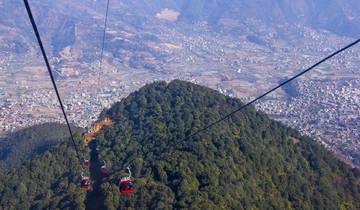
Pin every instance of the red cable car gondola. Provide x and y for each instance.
(126, 185)
(85, 183)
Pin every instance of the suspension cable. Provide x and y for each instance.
(28, 9)
(273, 89)
(103, 42)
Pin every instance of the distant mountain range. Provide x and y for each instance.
(338, 16)
(59, 20)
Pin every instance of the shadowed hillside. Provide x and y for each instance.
(27, 143)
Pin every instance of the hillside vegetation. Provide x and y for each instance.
(49, 181)
(245, 162)
(27, 143)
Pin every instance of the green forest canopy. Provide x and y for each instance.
(29, 142)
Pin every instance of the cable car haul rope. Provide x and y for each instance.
(103, 42)
(33, 24)
(273, 89)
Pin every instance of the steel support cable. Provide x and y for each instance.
(103, 41)
(273, 89)
(28, 9)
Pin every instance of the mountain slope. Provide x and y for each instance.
(247, 162)
(337, 16)
(58, 20)
(333, 15)
(27, 143)
(49, 181)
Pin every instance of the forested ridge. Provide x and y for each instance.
(246, 162)
(29, 142)
(48, 181)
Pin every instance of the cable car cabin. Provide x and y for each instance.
(126, 186)
(85, 183)
(86, 164)
(104, 171)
